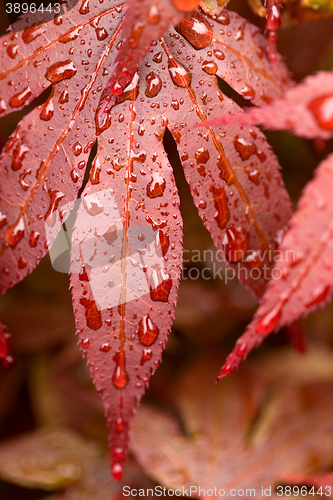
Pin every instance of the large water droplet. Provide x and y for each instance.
(55, 197)
(20, 98)
(154, 84)
(210, 67)
(202, 155)
(156, 186)
(161, 284)
(15, 233)
(93, 315)
(148, 331)
(146, 356)
(269, 321)
(47, 109)
(30, 34)
(196, 30)
(84, 8)
(18, 157)
(12, 50)
(322, 110)
(34, 237)
(220, 198)
(235, 243)
(162, 243)
(117, 471)
(120, 377)
(179, 75)
(62, 70)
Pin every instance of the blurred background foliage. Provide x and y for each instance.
(49, 410)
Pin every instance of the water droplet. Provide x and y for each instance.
(219, 55)
(3, 106)
(12, 50)
(3, 220)
(15, 233)
(154, 84)
(70, 36)
(158, 57)
(179, 75)
(105, 347)
(117, 471)
(196, 30)
(322, 110)
(244, 148)
(156, 186)
(248, 92)
(162, 243)
(120, 424)
(202, 155)
(93, 315)
(84, 8)
(161, 284)
(77, 149)
(74, 175)
(57, 20)
(146, 356)
(22, 182)
(153, 15)
(223, 18)
(235, 243)
(120, 377)
(209, 67)
(22, 263)
(47, 109)
(101, 34)
(269, 321)
(95, 171)
(34, 237)
(20, 98)
(18, 157)
(85, 343)
(55, 198)
(148, 331)
(64, 96)
(30, 34)
(222, 213)
(62, 70)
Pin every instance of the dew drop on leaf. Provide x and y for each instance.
(47, 110)
(156, 186)
(15, 233)
(20, 98)
(85, 343)
(179, 75)
(93, 315)
(64, 96)
(30, 34)
(154, 84)
(248, 92)
(34, 237)
(196, 30)
(269, 321)
(18, 157)
(209, 67)
(219, 55)
(117, 471)
(120, 377)
(222, 213)
(160, 287)
(84, 8)
(3, 220)
(105, 347)
(148, 331)
(12, 50)
(146, 356)
(322, 110)
(154, 16)
(235, 243)
(55, 197)
(62, 70)
(77, 149)
(244, 148)
(162, 243)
